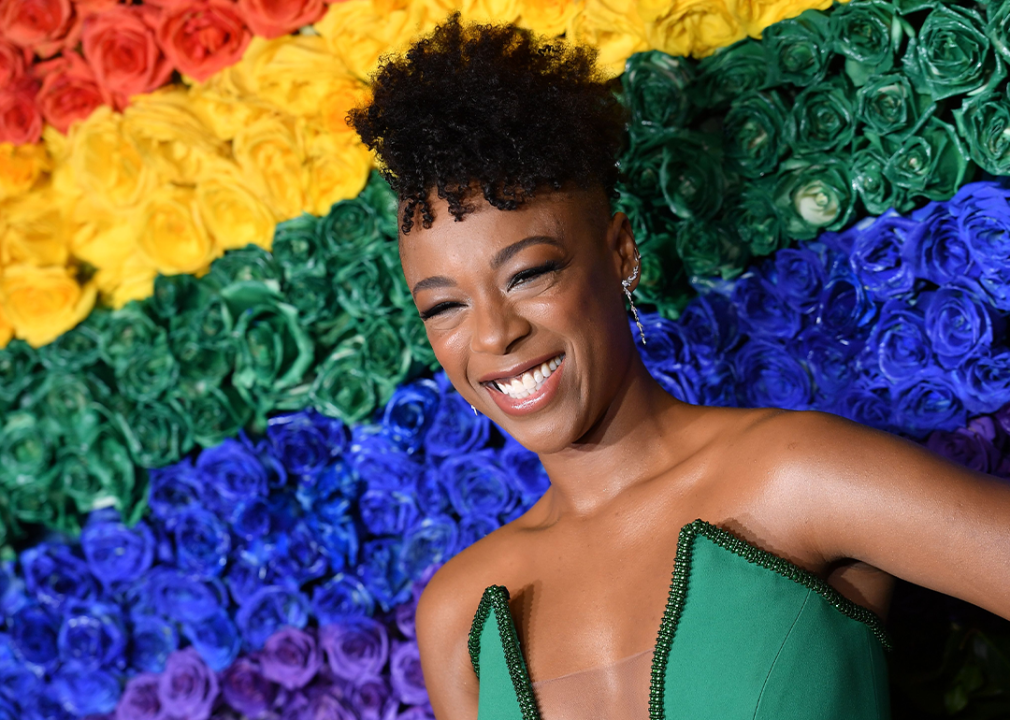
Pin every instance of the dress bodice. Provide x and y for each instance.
(745, 634)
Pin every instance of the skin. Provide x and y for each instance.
(588, 566)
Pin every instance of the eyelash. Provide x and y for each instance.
(519, 277)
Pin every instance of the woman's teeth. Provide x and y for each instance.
(530, 382)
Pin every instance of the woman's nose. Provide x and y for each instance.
(496, 326)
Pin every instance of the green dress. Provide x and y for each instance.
(745, 634)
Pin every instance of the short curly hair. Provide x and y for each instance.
(493, 107)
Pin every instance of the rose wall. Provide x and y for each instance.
(228, 462)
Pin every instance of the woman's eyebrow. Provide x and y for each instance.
(435, 281)
(507, 253)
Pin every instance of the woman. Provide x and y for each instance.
(502, 149)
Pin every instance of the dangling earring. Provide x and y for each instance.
(474, 409)
(626, 283)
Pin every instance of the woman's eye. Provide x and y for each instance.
(438, 310)
(531, 273)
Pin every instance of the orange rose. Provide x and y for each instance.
(13, 61)
(273, 18)
(20, 168)
(69, 91)
(202, 37)
(41, 25)
(121, 46)
(20, 120)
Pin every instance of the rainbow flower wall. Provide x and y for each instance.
(228, 462)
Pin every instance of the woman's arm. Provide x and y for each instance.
(891, 503)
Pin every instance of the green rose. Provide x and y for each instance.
(249, 263)
(798, 50)
(757, 133)
(866, 34)
(364, 282)
(385, 354)
(299, 248)
(77, 348)
(175, 295)
(640, 168)
(36, 503)
(202, 343)
(888, 105)
(217, 414)
(311, 296)
(824, 117)
(811, 195)
(18, 367)
(73, 402)
(759, 226)
(273, 348)
(663, 280)
(102, 475)
(932, 163)
(416, 339)
(27, 447)
(655, 90)
(951, 55)
(877, 193)
(729, 73)
(710, 248)
(129, 333)
(353, 226)
(691, 176)
(997, 27)
(985, 122)
(156, 433)
(342, 388)
(151, 370)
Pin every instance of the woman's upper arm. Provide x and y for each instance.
(444, 614)
(897, 506)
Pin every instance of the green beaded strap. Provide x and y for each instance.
(496, 597)
(755, 555)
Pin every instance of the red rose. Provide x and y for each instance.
(121, 46)
(69, 91)
(273, 18)
(40, 25)
(202, 37)
(20, 121)
(13, 61)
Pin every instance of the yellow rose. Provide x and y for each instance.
(43, 303)
(35, 231)
(107, 164)
(338, 170)
(613, 26)
(546, 17)
(171, 234)
(345, 94)
(6, 329)
(231, 210)
(225, 114)
(20, 168)
(484, 11)
(170, 136)
(271, 154)
(756, 15)
(690, 27)
(134, 281)
(102, 239)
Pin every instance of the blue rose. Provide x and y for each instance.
(958, 324)
(473, 528)
(936, 248)
(798, 275)
(215, 638)
(762, 312)
(996, 283)
(269, 609)
(983, 382)
(116, 554)
(341, 597)
(718, 386)
(432, 497)
(231, 473)
(381, 464)
(251, 519)
(183, 597)
(965, 446)
(868, 401)
(173, 489)
(431, 542)
(306, 442)
(92, 635)
(46, 707)
(527, 471)
(299, 555)
(152, 639)
(982, 210)
(455, 428)
(708, 322)
(477, 485)
(666, 344)
(844, 309)
(13, 594)
(410, 412)
(54, 575)
(879, 257)
(8, 711)
(340, 538)
(382, 574)
(85, 692)
(769, 376)
(925, 403)
(684, 382)
(388, 512)
(247, 574)
(899, 342)
(202, 542)
(829, 360)
(338, 479)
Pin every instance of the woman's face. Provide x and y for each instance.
(524, 309)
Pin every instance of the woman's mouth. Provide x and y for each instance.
(529, 390)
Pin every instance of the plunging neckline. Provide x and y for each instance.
(497, 596)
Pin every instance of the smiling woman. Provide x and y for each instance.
(502, 149)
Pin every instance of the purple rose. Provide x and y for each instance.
(405, 672)
(92, 634)
(152, 640)
(966, 447)
(245, 689)
(319, 702)
(373, 699)
(54, 574)
(187, 689)
(417, 712)
(355, 649)
(341, 597)
(268, 610)
(769, 376)
(202, 542)
(878, 255)
(291, 658)
(231, 473)
(84, 691)
(431, 542)
(140, 699)
(958, 324)
(115, 553)
(762, 312)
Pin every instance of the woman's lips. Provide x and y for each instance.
(532, 403)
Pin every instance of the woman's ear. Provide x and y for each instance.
(621, 240)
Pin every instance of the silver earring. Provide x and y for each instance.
(474, 409)
(626, 283)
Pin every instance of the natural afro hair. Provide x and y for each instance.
(492, 107)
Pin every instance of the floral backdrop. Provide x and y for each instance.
(228, 462)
